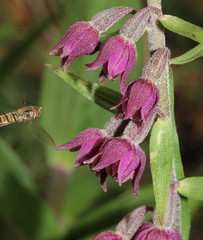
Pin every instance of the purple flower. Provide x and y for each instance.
(88, 142)
(120, 159)
(139, 101)
(118, 57)
(117, 157)
(80, 39)
(148, 231)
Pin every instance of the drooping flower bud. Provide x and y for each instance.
(117, 157)
(76, 42)
(142, 96)
(118, 57)
(82, 38)
(88, 142)
(139, 101)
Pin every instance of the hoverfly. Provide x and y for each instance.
(27, 114)
(23, 114)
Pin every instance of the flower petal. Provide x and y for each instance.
(126, 168)
(150, 104)
(132, 59)
(112, 151)
(138, 93)
(83, 46)
(84, 136)
(138, 171)
(102, 179)
(117, 63)
(87, 152)
(73, 32)
(109, 48)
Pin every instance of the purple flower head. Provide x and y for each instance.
(88, 142)
(117, 157)
(80, 39)
(148, 232)
(120, 159)
(139, 101)
(118, 57)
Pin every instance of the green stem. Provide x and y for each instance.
(156, 39)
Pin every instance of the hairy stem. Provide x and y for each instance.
(156, 37)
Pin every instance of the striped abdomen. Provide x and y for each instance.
(9, 118)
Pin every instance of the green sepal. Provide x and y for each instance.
(182, 27)
(161, 156)
(103, 96)
(191, 188)
(189, 56)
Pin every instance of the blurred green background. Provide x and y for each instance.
(42, 197)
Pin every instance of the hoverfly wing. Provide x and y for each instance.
(40, 134)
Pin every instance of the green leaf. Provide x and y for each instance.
(185, 218)
(103, 96)
(177, 158)
(182, 27)
(161, 156)
(185, 213)
(191, 188)
(189, 56)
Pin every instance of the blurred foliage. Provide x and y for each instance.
(41, 196)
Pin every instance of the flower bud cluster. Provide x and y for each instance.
(118, 55)
(114, 151)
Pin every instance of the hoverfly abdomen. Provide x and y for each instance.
(23, 114)
(9, 118)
